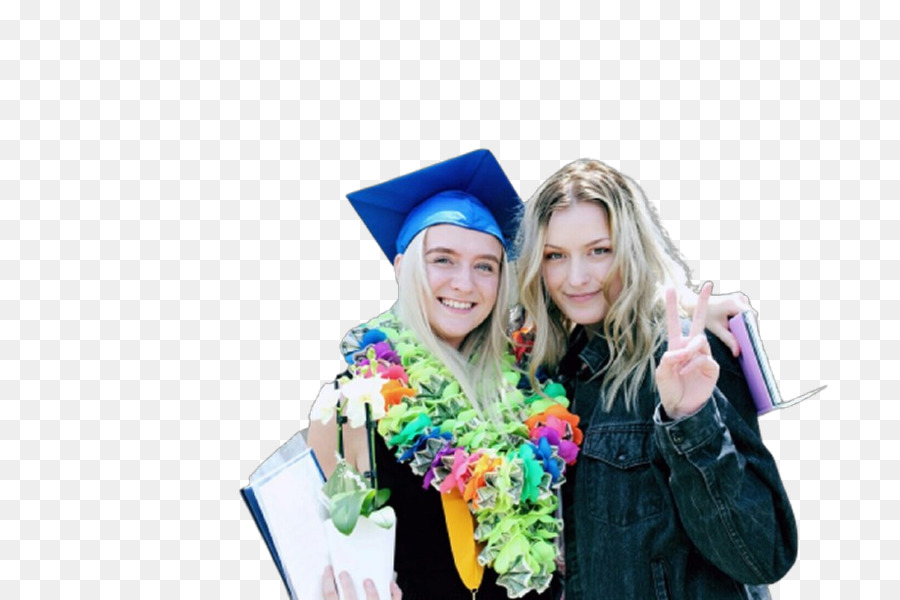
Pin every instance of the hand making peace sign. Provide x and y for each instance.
(687, 372)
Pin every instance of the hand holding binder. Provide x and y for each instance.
(757, 370)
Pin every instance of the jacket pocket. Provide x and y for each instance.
(620, 479)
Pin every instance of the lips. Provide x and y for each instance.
(456, 304)
(581, 297)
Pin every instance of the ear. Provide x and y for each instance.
(397, 260)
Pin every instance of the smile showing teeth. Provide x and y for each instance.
(457, 305)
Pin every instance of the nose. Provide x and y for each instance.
(577, 273)
(462, 280)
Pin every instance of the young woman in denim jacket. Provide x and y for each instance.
(674, 494)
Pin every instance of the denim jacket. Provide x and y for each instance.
(689, 509)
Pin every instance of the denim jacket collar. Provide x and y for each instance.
(591, 353)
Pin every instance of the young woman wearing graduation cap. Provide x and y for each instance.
(458, 415)
(457, 422)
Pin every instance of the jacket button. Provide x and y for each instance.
(621, 457)
(677, 438)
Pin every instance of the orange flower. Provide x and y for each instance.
(523, 341)
(394, 393)
(483, 466)
(556, 412)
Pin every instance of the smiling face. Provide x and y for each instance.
(463, 271)
(578, 258)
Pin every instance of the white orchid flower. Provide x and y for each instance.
(323, 409)
(362, 391)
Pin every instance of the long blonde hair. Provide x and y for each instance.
(643, 256)
(477, 363)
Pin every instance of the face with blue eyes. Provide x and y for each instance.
(578, 259)
(463, 269)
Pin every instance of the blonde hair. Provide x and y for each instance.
(643, 257)
(477, 363)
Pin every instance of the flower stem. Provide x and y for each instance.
(340, 420)
(370, 442)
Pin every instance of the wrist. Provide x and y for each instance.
(687, 434)
(677, 413)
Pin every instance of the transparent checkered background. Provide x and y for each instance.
(178, 261)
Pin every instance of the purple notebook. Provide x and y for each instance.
(755, 365)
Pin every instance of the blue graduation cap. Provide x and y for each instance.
(470, 191)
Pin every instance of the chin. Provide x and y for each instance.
(451, 337)
(585, 317)
(457, 331)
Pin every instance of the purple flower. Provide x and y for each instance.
(549, 433)
(429, 475)
(384, 354)
(383, 351)
(568, 451)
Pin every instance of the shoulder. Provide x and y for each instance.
(367, 333)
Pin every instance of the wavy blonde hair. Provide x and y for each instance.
(477, 364)
(643, 256)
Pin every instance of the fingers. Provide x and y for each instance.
(696, 358)
(701, 364)
(674, 324)
(348, 591)
(396, 594)
(699, 321)
(732, 304)
(720, 329)
(742, 301)
(697, 346)
(371, 592)
(719, 311)
(329, 591)
(685, 378)
(668, 365)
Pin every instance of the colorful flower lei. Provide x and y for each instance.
(508, 475)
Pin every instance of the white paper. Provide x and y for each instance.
(291, 449)
(288, 493)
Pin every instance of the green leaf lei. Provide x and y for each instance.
(508, 473)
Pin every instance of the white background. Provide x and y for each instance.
(178, 262)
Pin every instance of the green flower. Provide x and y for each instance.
(533, 474)
(555, 390)
(411, 431)
(397, 418)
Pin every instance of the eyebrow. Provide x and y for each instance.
(442, 250)
(591, 243)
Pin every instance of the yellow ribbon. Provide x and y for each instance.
(461, 529)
